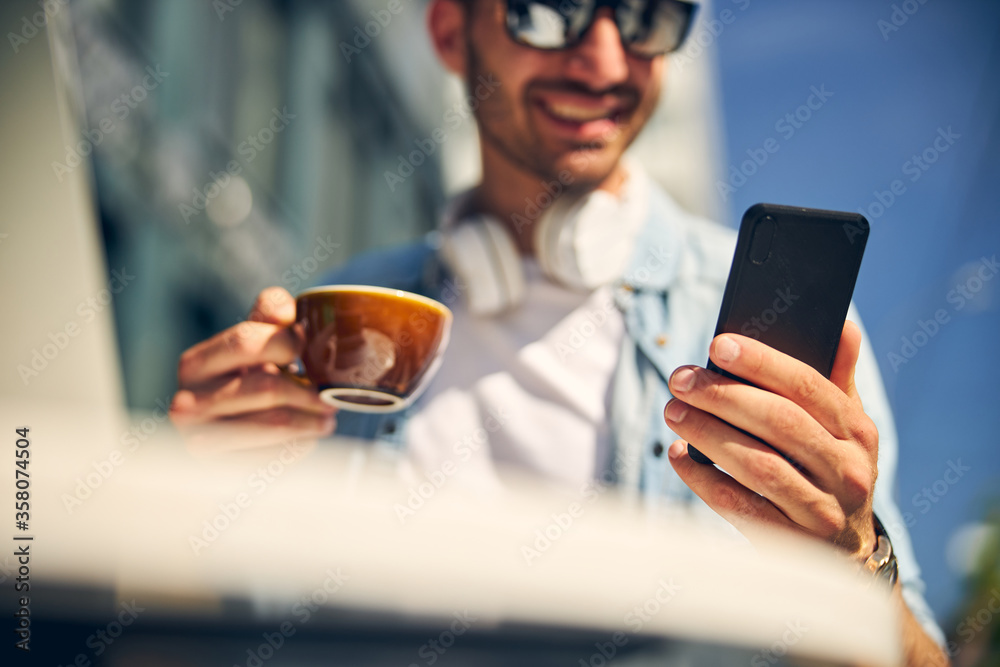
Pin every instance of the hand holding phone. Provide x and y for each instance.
(791, 283)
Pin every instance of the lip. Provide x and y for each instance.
(579, 117)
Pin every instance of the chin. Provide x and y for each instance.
(589, 168)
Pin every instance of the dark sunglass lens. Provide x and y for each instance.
(549, 24)
(537, 23)
(653, 27)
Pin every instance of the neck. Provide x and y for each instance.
(517, 198)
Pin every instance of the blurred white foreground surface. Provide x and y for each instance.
(180, 533)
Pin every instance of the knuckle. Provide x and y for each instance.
(783, 419)
(695, 427)
(758, 502)
(233, 338)
(712, 375)
(282, 417)
(829, 521)
(757, 363)
(268, 387)
(765, 468)
(858, 481)
(806, 387)
(865, 432)
(716, 391)
(241, 339)
(727, 499)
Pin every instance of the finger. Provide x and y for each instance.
(260, 429)
(786, 376)
(274, 305)
(244, 344)
(761, 469)
(774, 419)
(735, 503)
(243, 393)
(846, 360)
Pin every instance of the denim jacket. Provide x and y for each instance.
(669, 297)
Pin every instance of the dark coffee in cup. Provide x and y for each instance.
(370, 349)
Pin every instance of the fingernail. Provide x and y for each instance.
(329, 424)
(676, 410)
(682, 380)
(726, 349)
(676, 449)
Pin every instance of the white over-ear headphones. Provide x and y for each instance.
(581, 242)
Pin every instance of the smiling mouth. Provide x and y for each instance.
(575, 113)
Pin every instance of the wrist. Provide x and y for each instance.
(881, 563)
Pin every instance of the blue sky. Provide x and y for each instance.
(907, 130)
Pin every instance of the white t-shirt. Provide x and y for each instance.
(529, 387)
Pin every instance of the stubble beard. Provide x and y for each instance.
(525, 154)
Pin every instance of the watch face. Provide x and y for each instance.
(883, 562)
(891, 570)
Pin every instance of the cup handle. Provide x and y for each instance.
(295, 373)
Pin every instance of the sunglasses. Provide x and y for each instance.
(648, 28)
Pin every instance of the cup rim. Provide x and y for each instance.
(383, 291)
(393, 403)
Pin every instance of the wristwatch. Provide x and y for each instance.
(882, 564)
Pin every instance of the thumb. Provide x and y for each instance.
(274, 305)
(846, 360)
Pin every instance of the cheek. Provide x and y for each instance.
(493, 62)
(649, 98)
(516, 68)
(507, 103)
(647, 77)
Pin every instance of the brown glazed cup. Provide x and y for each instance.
(370, 349)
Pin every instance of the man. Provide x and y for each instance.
(563, 357)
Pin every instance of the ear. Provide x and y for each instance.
(446, 21)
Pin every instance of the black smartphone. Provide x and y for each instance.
(791, 283)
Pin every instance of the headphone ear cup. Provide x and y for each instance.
(576, 240)
(585, 242)
(554, 241)
(480, 252)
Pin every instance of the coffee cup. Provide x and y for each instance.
(370, 349)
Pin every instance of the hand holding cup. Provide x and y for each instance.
(364, 349)
(233, 393)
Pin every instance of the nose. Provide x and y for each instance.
(599, 60)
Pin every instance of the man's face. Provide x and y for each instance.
(575, 110)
